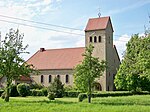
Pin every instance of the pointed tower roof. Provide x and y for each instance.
(98, 23)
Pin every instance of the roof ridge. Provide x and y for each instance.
(64, 48)
(100, 17)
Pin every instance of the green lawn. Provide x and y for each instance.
(110, 104)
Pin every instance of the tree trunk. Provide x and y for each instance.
(7, 92)
(89, 91)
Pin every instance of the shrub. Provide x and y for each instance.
(36, 86)
(82, 96)
(13, 91)
(70, 88)
(36, 92)
(23, 89)
(44, 91)
(1, 91)
(51, 96)
(56, 87)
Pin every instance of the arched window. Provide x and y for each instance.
(58, 76)
(50, 79)
(42, 78)
(95, 39)
(90, 39)
(99, 39)
(67, 78)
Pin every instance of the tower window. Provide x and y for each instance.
(109, 40)
(90, 39)
(99, 39)
(95, 39)
(42, 78)
(67, 78)
(50, 79)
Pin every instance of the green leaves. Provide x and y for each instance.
(12, 65)
(134, 70)
(90, 68)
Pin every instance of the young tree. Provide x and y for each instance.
(134, 72)
(12, 66)
(57, 88)
(87, 71)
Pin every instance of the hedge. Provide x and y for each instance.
(36, 92)
(71, 94)
(117, 93)
(82, 96)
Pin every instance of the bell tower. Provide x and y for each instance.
(99, 33)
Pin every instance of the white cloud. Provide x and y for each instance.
(121, 44)
(29, 9)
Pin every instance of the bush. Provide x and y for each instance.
(1, 91)
(56, 87)
(36, 92)
(70, 88)
(51, 96)
(23, 89)
(44, 91)
(36, 86)
(71, 94)
(13, 91)
(82, 96)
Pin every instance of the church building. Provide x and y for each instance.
(61, 62)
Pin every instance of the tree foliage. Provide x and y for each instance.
(134, 72)
(57, 88)
(87, 71)
(12, 65)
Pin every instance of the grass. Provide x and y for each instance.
(110, 104)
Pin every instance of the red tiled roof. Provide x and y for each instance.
(24, 78)
(66, 58)
(97, 23)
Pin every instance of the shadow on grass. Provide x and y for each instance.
(46, 101)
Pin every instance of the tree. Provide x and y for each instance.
(134, 72)
(57, 88)
(12, 65)
(87, 71)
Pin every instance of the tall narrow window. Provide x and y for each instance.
(58, 76)
(50, 79)
(95, 39)
(108, 88)
(42, 78)
(99, 39)
(90, 39)
(67, 78)
(109, 40)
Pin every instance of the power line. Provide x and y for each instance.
(40, 27)
(53, 29)
(41, 23)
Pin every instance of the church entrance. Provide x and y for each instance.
(97, 86)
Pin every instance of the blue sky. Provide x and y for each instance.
(128, 17)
